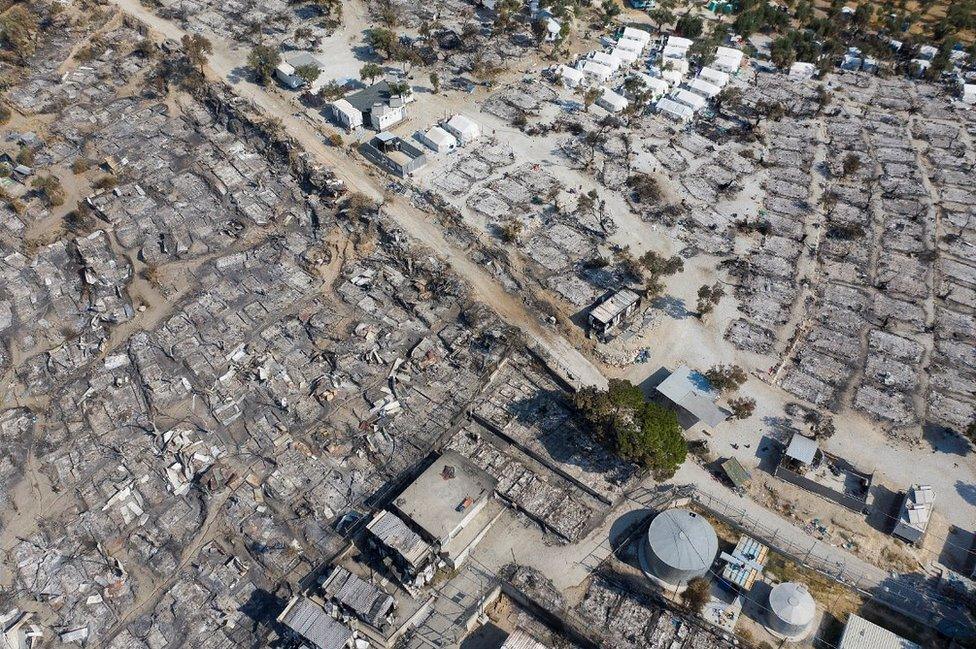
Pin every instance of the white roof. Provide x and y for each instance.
(656, 85)
(712, 75)
(598, 70)
(690, 391)
(674, 109)
(802, 449)
(674, 52)
(572, 74)
(439, 137)
(678, 41)
(631, 45)
(969, 93)
(614, 305)
(673, 77)
(703, 88)
(729, 52)
(927, 52)
(679, 65)
(861, 634)
(285, 68)
(626, 56)
(690, 99)
(637, 35)
(608, 60)
(613, 100)
(464, 125)
(802, 70)
(347, 109)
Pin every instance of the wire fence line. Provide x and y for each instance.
(915, 596)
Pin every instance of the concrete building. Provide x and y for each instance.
(309, 621)
(393, 154)
(861, 634)
(680, 545)
(346, 115)
(378, 106)
(916, 511)
(463, 128)
(438, 140)
(451, 505)
(692, 393)
(609, 314)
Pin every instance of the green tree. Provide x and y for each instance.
(51, 189)
(697, 595)
(435, 82)
(661, 17)
(263, 59)
(638, 431)
(370, 72)
(726, 378)
(197, 49)
(308, 72)
(609, 10)
(383, 40)
(18, 30)
(689, 26)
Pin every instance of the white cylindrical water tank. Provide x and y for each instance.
(791, 610)
(681, 545)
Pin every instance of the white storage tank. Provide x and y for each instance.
(681, 545)
(791, 611)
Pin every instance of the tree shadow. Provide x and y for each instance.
(967, 491)
(884, 509)
(781, 429)
(768, 452)
(944, 440)
(672, 306)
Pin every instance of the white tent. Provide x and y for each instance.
(969, 93)
(689, 99)
(727, 60)
(701, 87)
(656, 86)
(678, 41)
(633, 33)
(711, 75)
(625, 56)
(572, 78)
(801, 71)
(631, 45)
(603, 58)
(672, 77)
(678, 65)
(674, 110)
(674, 52)
(611, 101)
(596, 71)
(439, 140)
(463, 128)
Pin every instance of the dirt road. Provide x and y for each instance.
(227, 65)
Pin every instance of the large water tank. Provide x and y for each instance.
(791, 610)
(681, 545)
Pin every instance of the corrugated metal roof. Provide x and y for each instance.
(365, 600)
(615, 305)
(311, 622)
(861, 634)
(736, 472)
(684, 389)
(520, 639)
(802, 449)
(390, 530)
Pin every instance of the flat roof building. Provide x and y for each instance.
(861, 634)
(608, 315)
(446, 497)
(311, 623)
(691, 392)
(464, 128)
(916, 511)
